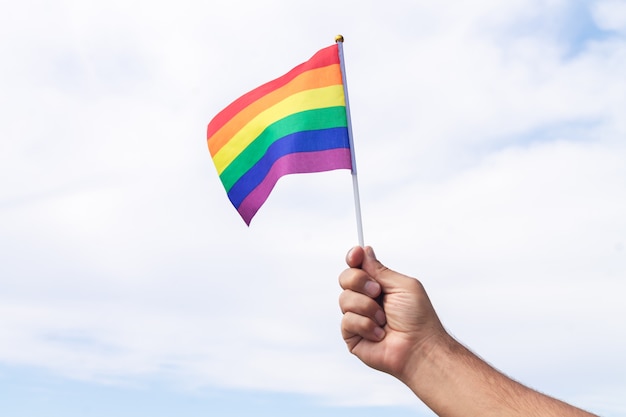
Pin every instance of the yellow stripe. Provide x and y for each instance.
(315, 78)
(305, 100)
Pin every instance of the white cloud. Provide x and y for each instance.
(491, 165)
(610, 14)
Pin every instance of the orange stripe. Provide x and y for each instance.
(322, 58)
(316, 78)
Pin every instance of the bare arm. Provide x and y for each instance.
(400, 333)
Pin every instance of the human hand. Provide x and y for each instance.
(389, 322)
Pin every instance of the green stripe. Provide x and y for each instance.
(317, 119)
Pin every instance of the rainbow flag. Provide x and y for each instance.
(294, 124)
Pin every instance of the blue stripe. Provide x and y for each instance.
(307, 141)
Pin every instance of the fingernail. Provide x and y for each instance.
(380, 317)
(370, 252)
(379, 333)
(372, 288)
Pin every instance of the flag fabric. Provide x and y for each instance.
(294, 124)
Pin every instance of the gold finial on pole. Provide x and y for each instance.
(339, 38)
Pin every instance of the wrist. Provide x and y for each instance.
(426, 360)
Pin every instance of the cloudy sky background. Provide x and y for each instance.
(491, 147)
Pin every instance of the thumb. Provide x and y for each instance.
(371, 264)
(387, 278)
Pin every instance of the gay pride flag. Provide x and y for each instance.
(294, 124)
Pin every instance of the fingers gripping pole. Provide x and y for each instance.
(355, 181)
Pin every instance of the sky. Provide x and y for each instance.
(490, 141)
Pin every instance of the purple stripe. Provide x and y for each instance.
(303, 141)
(295, 163)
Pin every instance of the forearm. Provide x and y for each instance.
(453, 382)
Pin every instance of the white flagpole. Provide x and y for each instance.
(355, 181)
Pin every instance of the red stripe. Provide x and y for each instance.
(322, 58)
